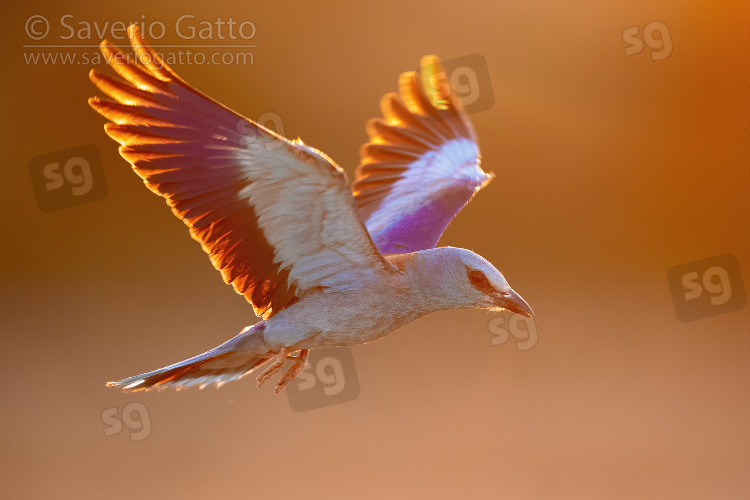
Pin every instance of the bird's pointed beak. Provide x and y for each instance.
(514, 303)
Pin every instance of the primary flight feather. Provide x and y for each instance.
(322, 263)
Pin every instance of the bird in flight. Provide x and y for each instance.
(323, 263)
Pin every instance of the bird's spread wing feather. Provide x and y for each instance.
(421, 165)
(276, 217)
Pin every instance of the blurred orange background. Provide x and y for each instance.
(611, 169)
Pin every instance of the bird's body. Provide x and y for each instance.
(322, 264)
(382, 303)
(378, 306)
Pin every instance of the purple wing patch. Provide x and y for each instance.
(422, 228)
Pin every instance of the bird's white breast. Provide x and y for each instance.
(322, 318)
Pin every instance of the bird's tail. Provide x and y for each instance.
(229, 361)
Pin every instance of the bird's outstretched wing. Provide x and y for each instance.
(421, 165)
(276, 217)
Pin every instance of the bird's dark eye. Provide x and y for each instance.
(478, 279)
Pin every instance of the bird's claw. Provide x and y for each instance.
(300, 361)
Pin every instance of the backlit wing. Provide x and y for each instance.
(421, 166)
(276, 217)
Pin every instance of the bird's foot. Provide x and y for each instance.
(300, 362)
(274, 367)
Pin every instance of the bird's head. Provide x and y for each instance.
(469, 280)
